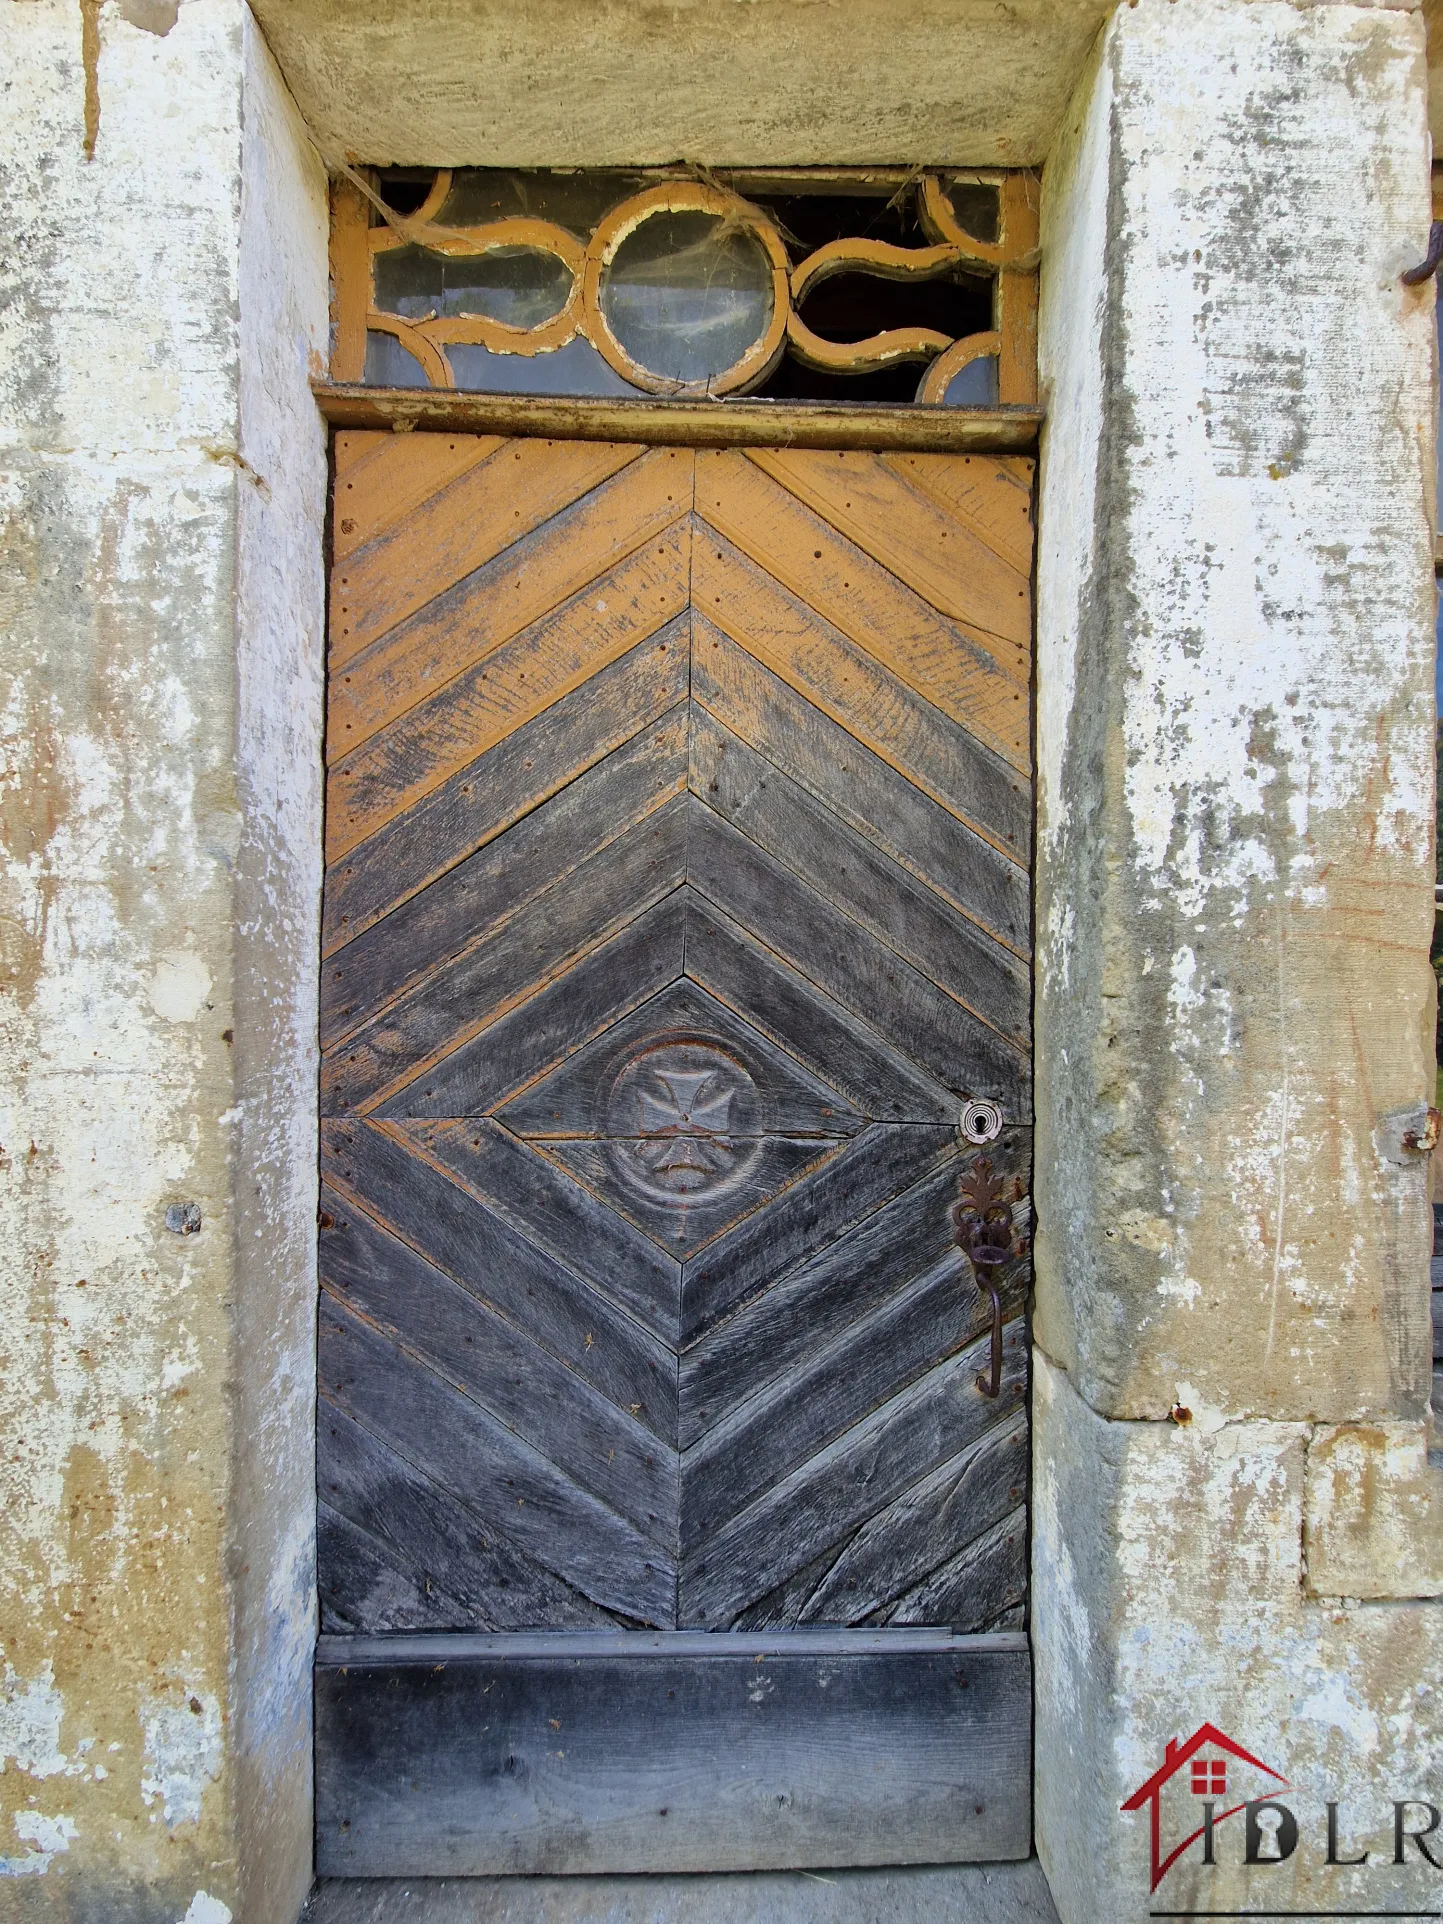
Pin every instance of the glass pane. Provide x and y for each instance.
(522, 286)
(574, 201)
(577, 368)
(686, 296)
(974, 386)
(975, 206)
(389, 365)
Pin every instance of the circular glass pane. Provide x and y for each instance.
(686, 294)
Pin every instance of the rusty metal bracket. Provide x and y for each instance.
(982, 1224)
(1431, 261)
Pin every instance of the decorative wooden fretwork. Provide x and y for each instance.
(805, 285)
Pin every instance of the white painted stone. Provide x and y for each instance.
(159, 882)
(1235, 718)
(1168, 1591)
(1373, 1518)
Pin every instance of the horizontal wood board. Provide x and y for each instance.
(730, 423)
(493, 1756)
(677, 899)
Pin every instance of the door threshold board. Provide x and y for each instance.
(567, 1753)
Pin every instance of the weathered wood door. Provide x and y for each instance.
(677, 898)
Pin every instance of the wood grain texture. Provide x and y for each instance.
(397, 1291)
(919, 1019)
(861, 789)
(957, 570)
(808, 1305)
(497, 601)
(961, 669)
(419, 1526)
(724, 958)
(576, 1324)
(948, 760)
(503, 784)
(858, 879)
(480, 706)
(473, 899)
(459, 1445)
(991, 496)
(379, 483)
(558, 1215)
(677, 897)
(734, 422)
(454, 530)
(561, 1018)
(927, 1525)
(461, 997)
(503, 1756)
(825, 1500)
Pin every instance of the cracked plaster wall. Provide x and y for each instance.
(1235, 1007)
(162, 477)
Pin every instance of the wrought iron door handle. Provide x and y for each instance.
(982, 1224)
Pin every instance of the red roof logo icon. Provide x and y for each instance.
(1208, 1777)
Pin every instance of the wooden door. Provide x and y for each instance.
(677, 900)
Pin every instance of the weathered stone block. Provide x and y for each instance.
(1235, 717)
(1373, 1512)
(1168, 1593)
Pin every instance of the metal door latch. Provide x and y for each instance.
(982, 1224)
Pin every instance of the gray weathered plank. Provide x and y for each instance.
(852, 781)
(572, 1102)
(867, 1172)
(362, 1587)
(580, 1326)
(430, 1530)
(792, 1417)
(844, 1279)
(685, 1228)
(472, 1756)
(564, 1016)
(858, 879)
(503, 785)
(833, 1041)
(460, 1445)
(920, 1020)
(924, 1527)
(942, 757)
(976, 1585)
(557, 1214)
(601, 1448)
(458, 999)
(825, 1499)
(472, 900)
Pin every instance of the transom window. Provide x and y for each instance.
(867, 285)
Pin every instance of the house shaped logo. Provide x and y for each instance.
(1206, 1758)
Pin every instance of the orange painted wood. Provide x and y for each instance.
(517, 488)
(381, 478)
(989, 494)
(441, 641)
(845, 682)
(930, 550)
(350, 280)
(1016, 295)
(406, 760)
(974, 678)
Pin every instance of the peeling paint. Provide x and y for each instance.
(47, 1838)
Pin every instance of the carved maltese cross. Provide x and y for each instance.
(685, 1116)
(683, 1120)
